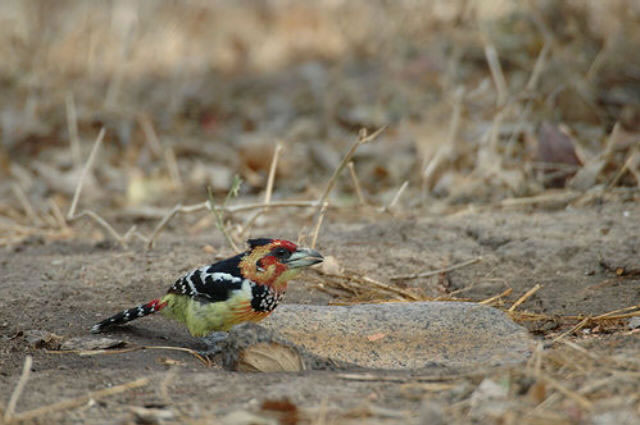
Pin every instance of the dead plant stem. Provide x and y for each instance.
(84, 173)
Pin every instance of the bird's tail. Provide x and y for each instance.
(129, 315)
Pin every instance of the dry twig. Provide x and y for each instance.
(316, 231)
(72, 127)
(356, 183)
(17, 391)
(362, 139)
(525, 297)
(437, 272)
(77, 401)
(26, 204)
(496, 73)
(83, 176)
(397, 196)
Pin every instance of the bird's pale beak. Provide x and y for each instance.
(304, 257)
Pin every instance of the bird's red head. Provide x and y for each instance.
(275, 261)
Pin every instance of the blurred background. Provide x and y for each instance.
(484, 100)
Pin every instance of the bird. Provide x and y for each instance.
(216, 297)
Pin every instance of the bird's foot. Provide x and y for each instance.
(212, 341)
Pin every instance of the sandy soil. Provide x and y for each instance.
(64, 287)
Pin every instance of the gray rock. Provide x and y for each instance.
(404, 335)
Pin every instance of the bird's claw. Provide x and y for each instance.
(213, 343)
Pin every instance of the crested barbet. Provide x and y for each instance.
(243, 288)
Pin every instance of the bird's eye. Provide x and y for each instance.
(281, 253)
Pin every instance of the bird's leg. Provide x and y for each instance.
(212, 342)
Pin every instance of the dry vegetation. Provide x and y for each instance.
(357, 110)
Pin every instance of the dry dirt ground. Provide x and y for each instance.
(584, 258)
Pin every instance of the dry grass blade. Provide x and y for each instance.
(437, 272)
(362, 139)
(150, 134)
(268, 190)
(78, 401)
(316, 231)
(576, 328)
(17, 392)
(26, 204)
(390, 288)
(161, 225)
(85, 171)
(102, 222)
(397, 196)
(541, 61)
(272, 174)
(220, 224)
(490, 300)
(581, 400)
(57, 213)
(525, 297)
(429, 174)
(194, 353)
(358, 285)
(496, 73)
(172, 166)
(356, 183)
(72, 127)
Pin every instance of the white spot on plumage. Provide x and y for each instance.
(220, 276)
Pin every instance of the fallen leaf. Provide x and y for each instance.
(269, 357)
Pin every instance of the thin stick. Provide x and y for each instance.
(362, 139)
(576, 328)
(132, 349)
(268, 190)
(489, 300)
(390, 288)
(172, 165)
(525, 297)
(613, 313)
(316, 231)
(202, 206)
(356, 182)
(72, 126)
(538, 67)
(26, 204)
(399, 193)
(101, 221)
(220, 221)
(175, 210)
(150, 134)
(437, 272)
(624, 168)
(57, 213)
(582, 401)
(79, 401)
(496, 73)
(17, 392)
(272, 174)
(447, 147)
(83, 175)
(232, 209)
